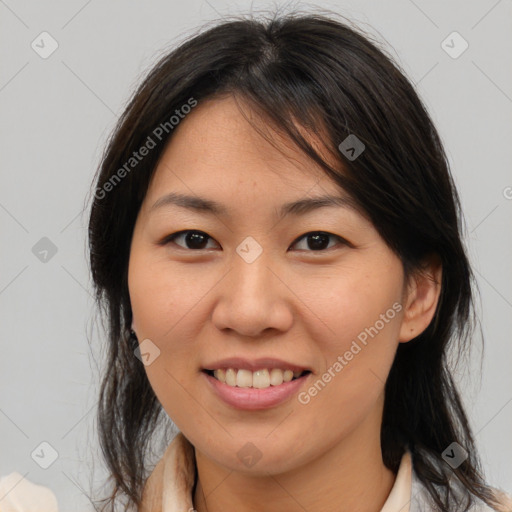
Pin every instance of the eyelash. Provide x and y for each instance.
(170, 238)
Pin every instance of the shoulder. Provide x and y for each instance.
(172, 479)
(153, 489)
(421, 500)
(21, 495)
(504, 499)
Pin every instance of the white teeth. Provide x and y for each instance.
(259, 379)
(287, 375)
(244, 379)
(276, 376)
(220, 374)
(230, 377)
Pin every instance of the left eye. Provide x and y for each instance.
(319, 240)
(197, 240)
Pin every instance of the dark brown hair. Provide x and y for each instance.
(332, 79)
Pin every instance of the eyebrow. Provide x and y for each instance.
(298, 207)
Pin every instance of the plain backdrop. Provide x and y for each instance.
(56, 113)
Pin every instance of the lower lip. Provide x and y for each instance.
(254, 399)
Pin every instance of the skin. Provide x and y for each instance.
(293, 302)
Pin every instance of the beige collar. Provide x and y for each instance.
(176, 469)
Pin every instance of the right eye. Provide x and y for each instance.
(193, 239)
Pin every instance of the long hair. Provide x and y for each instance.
(324, 76)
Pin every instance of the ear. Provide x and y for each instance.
(421, 295)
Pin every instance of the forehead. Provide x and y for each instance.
(218, 146)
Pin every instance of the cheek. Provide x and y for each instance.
(360, 321)
(162, 294)
(357, 301)
(356, 362)
(166, 307)
(160, 299)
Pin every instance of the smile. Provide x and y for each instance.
(259, 379)
(252, 398)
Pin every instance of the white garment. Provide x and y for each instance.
(18, 494)
(177, 470)
(169, 487)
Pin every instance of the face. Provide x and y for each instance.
(308, 288)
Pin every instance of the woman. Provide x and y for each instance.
(275, 240)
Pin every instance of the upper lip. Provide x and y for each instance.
(241, 363)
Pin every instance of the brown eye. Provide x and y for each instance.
(318, 240)
(193, 239)
(315, 241)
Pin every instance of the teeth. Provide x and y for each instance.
(259, 379)
(276, 377)
(230, 376)
(287, 375)
(244, 379)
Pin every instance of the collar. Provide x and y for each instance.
(169, 487)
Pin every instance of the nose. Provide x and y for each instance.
(253, 299)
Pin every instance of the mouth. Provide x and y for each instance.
(260, 389)
(260, 379)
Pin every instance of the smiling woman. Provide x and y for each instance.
(297, 234)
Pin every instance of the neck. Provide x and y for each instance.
(349, 476)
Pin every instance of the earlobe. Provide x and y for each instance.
(422, 293)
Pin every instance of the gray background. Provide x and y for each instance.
(55, 116)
